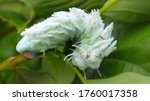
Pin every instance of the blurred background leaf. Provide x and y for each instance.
(29, 76)
(5, 28)
(8, 77)
(127, 11)
(14, 12)
(47, 7)
(8, 45)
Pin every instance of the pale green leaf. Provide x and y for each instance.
(124, 78)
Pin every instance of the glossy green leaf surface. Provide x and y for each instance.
(55, 66)
(128, 11)
(124, 78)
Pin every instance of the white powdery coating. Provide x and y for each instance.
(94, 41)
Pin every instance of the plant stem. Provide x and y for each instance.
(107, 5)
(11, 62)
(84, 81)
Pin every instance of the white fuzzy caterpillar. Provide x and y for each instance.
(94, 42)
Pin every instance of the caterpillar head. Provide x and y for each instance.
(28, 47)
(35, 39)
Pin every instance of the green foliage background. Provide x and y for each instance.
(130, 63)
